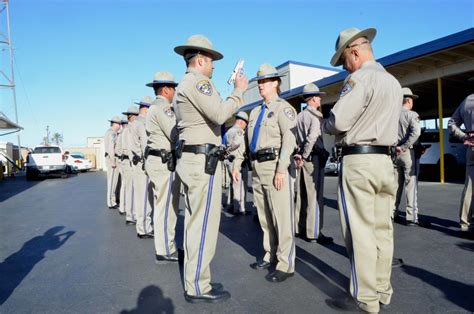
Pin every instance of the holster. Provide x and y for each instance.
(136, 159)
(169, 158)
(393, 153)
(215, 155)
(179, 148)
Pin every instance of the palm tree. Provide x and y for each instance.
(57, 138)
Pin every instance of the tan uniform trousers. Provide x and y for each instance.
(309, 210)
(366, 193)
(276, 215)
(203, 195)
(465, 213)
(127, 189)
(406, 171)
(165, 186)
(112, 178)
(142, 200)
(238, 191)
(121, 187)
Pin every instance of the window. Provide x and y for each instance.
(47, 150)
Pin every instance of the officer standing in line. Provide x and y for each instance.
(311, 160)
(463, 115)
(131, 114)
(111, 161)
(236, 143)
(142, 193)
(272, 140)
(160, 166)
(119, 154)
(405, 165)
(365, 122)
(200, 112)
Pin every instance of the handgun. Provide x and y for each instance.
(237, 69)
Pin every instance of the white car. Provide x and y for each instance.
(45, 160)
(77, 161)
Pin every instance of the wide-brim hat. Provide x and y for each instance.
(266, 71)
(242, 115)
(198, 43)
(145, 102)
(408, 93)
(131, 111)
(346, 37)
(162, 78)
(115, 119)
(311, 90)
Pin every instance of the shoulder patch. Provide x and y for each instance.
(290, 113)
(169, 111)
(204, 87)
(348, 86)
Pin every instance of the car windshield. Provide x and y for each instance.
(80, 156)
(46, 150)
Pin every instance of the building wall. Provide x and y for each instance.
(98, 144)
(91, 153)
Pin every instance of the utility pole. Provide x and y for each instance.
(47, 135)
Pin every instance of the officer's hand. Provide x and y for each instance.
(114, 166)
(399, 150)
(279, 180)
(236, 176)
(241, 82)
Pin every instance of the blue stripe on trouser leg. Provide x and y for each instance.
(203, 235)
(346, 216)
(168, 197)
(146, 205)
(415, 187)
(292, 215)
(111, 186)
(316, 214)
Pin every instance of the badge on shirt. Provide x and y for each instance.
(204, 87)
(290, 113)
(270, 114)
(169, 112)
(347, 87)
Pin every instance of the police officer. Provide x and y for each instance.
(127, 182)
(463, 115)
(200, 112)
(119, 153)
(142, 193)
(311, 160)
(271, 134)
(110, 139)
(405, 165)
(160, 166)
(365, 122)
(236, 142)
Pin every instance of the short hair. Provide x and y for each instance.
(405, 100)
(159, 88)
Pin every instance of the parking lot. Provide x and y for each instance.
(63, 251)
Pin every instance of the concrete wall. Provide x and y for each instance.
(98, 144)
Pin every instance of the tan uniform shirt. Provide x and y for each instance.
(118, 144)
(368, 109)
(161, 125)
(138, 136)
(408, 128)
(464, 114)
(200, 111)
(277, 129)
(109, 143)
(308, 131)
(125, 141)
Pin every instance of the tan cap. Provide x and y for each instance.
(408, 93)
(164, 78)
(115, 119)
(145, 102)
(131, 111)
(346, 37)
(311, 89)
(265, 71)
(242, 115)
(198, 43)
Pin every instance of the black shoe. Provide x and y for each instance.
(398, 219)
(239, 213)
(121, 213)
(397, 262)
(162, 259)
(322, 239)
(343, 305)
(310, 240)
(384, 306)
(217, 286)
(212, 296)
(130, 222)
(261, 265)
(145, 236)
(113, 207)
(278, 276)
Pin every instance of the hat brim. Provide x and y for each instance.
(143, 104)
(151, 84)
(369, 33)
(267, 76)
(112, 121)
(412, 96)
(127, 113)
(313, 94)
(181, 50)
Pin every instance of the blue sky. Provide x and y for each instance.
(78, 63)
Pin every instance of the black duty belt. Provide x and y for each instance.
(366, 149)
(118, 156)
(157, 152)
(198, 149)
(124, 157)
(264, 154)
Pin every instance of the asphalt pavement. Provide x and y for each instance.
(63, 251)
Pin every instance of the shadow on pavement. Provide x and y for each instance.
(329, 202)
(10, 187)
(457, 292)
(468, 246)
(151, 300)
(18, 265)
